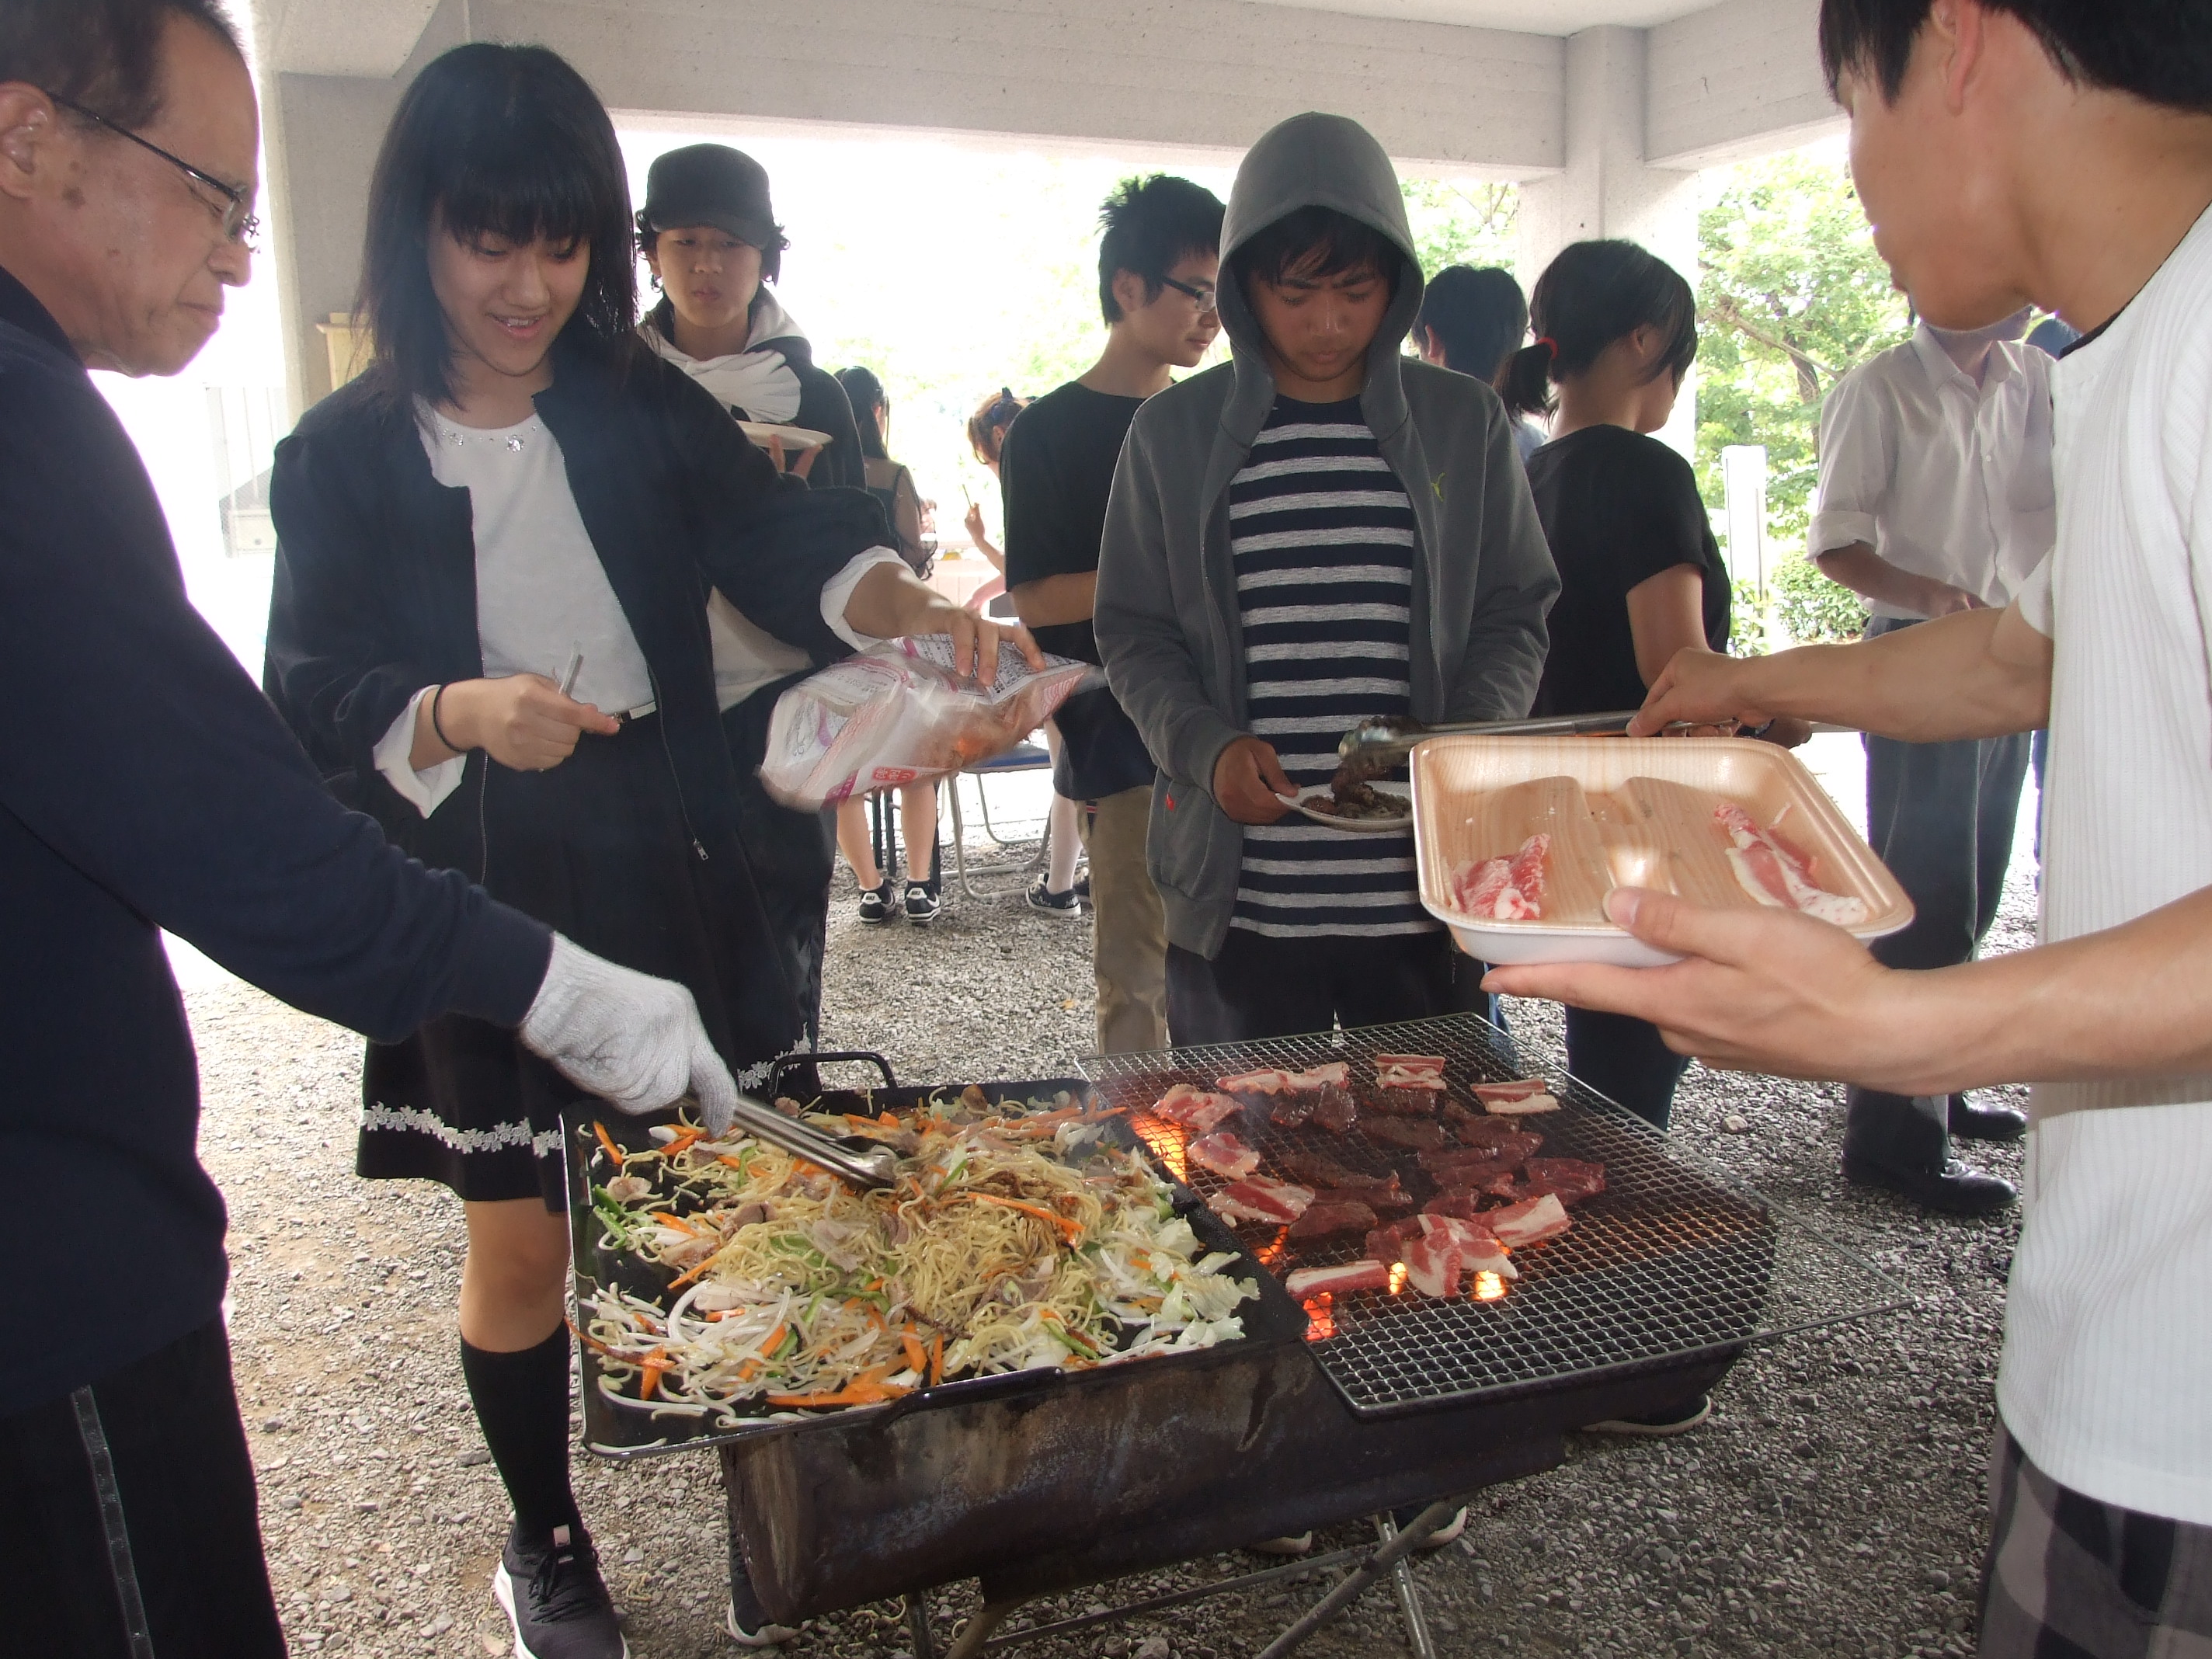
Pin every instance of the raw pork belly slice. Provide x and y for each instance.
(1399, 1102)
(1197, 1110)
(1530, 1221)
(1571, 1180)
(1505, 889)
(1414, 1133)
(1223, 1153)
(1432, 1265)
(1410, 1071)
(1260, 1200)
(1772, 872)
(1518, 1089)
(1334, 1109)
(1350, 1276)
(1479, 1249)
(1276, 1083)
(1343, 1216)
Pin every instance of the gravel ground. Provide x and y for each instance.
(1832, 1506)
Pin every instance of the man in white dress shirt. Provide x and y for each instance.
(1936, 497)
(2051, 150)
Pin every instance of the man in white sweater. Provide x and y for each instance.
(2009, 151)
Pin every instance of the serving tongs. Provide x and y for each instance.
(855, 1162)
(1373, 746)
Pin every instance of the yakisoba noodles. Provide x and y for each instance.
(792, 1292)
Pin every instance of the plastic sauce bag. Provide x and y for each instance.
(897, 714)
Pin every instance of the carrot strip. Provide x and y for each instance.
(649, 1371)
(916, 1356)
(858, 1393)
(677, 1222)
(608, 1141)
(937, 1360)
(1069, 1229)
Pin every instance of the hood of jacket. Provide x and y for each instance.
(1316, 160)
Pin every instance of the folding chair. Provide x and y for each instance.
(1022, 757)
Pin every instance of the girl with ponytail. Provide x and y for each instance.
(1640, 575)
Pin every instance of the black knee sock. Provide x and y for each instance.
(522, 1403)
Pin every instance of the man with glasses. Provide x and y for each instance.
(1157, 263)
(145, 782)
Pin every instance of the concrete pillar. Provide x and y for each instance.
(1606, 189)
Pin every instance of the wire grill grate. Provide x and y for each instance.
(1670, 1262)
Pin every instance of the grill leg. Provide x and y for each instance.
(1355, 1582)
(1408, 1593)
(917, 1624)
(973, 1634)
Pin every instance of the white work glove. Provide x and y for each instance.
(633, 1039)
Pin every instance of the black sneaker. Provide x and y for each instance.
(1041, 898)
(875, 907)
(556, 1599)
(921, 901)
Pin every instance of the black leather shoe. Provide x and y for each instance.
(1956, 1188)
(1973, 1122)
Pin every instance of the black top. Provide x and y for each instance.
(823, 405)
(1056, 470)
(1617, 508)
(146, 783)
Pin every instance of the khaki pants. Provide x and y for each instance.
(1129, 951)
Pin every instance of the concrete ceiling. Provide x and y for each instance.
(1528, 16)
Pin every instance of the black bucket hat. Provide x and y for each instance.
(710, 185)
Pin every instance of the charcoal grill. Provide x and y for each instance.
(1043, 1483)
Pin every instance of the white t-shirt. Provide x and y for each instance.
(2106, 1380)
(542, 595)
(1942, 477)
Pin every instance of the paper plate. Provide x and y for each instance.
(794, 437)
(1303, 802)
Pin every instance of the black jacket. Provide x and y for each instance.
(823, 406)
(145, 784)
(374, 595)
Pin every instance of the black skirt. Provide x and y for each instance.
(603, 849)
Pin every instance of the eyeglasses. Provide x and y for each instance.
(1204, 293)
(239, 223)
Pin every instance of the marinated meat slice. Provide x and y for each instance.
(1350, 1276)
(1432, 1265)
(1223, 1153)
(1402, 1102)
(1414, 1133)
(1465, 1171)
(1320, 1170)
(1572, 1178)
(1194, 1108)
(1388, 1244)
(1410, 1071)
(1259, 1198)
(1290, 1110)
(1465, 1206)
(1388, 1199)
(1499, 1136)
(1321, 1220)
(1334, 1109)
(1530, 1221)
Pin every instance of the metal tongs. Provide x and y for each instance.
(852, 1161)
(1373, 746)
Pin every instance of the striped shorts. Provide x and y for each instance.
(2071, 1577)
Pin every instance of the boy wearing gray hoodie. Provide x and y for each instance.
(1317, 531)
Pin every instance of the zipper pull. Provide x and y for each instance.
(697, 848)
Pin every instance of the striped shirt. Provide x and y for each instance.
(1321, 537)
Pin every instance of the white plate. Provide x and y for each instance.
(794, 437)
(1303, 802)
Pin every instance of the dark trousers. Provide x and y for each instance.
(1625, 1060)
(793, 856)
(1940, 816)
(128, 1526)
(1258, 986)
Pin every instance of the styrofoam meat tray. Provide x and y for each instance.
(1477, 798)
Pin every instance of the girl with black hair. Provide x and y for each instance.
(893, 486)
(1640, 575)
(709, 232)
(490, 624)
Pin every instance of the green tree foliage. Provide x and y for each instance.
(1792, 295)
(1456, 224)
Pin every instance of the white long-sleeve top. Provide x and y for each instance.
(2106, 1379)
(543, 595)
(1941, 476)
